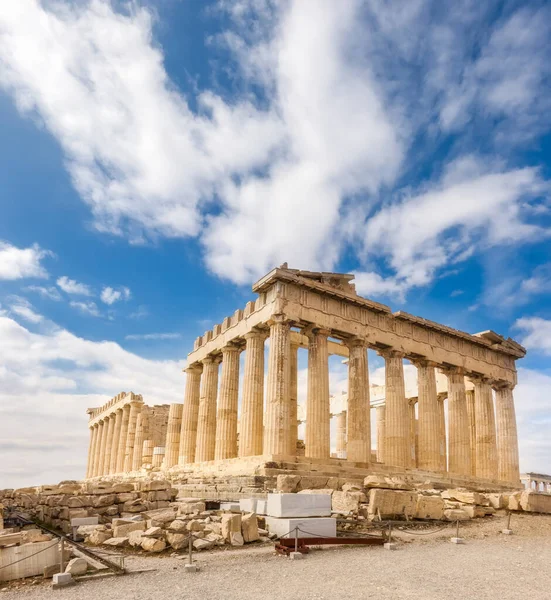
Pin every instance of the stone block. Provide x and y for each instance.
(261, 507)
(62, 580)
(134, 506)
(249, 527)
(104, 500)
(296, 555)
(160, 516)
(391, 503)
(178, 541)
(498, 501)
(202, 544)
(514, 501)
(122, 488)
(186, 508)
(117, 542)
(455, 514)
(135, 539)
(474, 512)
(231, 523)
(429, 508)
(236, 538)
(327, 491)
(298, 505)
(190, 568)
(124, 530)
(347, 501)
(248, 505)
(457, 540)
(80, 521)
(31, 536)
(387, 483)
(153, 545)
(178, 525)
(194, 525)
(98, 537)
(464, 497)
(154, 485)
(309, 526)
(287, 483)
(352, 487)
(154, 532)
(232, 506)
(76, 566)
(531, 501)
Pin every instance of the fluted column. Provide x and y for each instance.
(443, 445)
(486, 446)
(358, 444)
(108, 444)
(206, 420)
(293, 399)
(91, 448)
(459, 443)
(190, 414)
(147, 452)
(252, 407)
(507, 440)
(380, 414)
(341, 434)
(115, 443)
(318, 414)
(278, 410)
(135, 409)
(429, 417)
(100, 454)
(226, 416)
(469, 394)
(121, 447)
(141, 431)
(413, 449)
(397, 411)
(173, 431)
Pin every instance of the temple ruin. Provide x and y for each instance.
(454, 431)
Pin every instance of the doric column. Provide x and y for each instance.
(141, 431)
(158, 457)
(121, 447)
(190, 414)
(147, 452)
(100, 452)
(442, 418)
(486, 447)
(318, 413)
(293, 399)
(397, 411)
(472, 428)
(358, 436)
(278, 411)
(91, 448)
(380, 414)
(459, 443)
(226, 416)
(429, 417)
(115, 443)
(252, 406)
(206, 420)
(108, 444)
(135, 409)
(173, 430)
(413, 435)
(341, 435)
(507, 441)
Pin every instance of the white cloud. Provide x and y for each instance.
(153, 336)
(88, 308)
(23, 308)
(68, 375)
(52, 293)
(110, 295)
(70, 286)
(17, 263)
(537, 333)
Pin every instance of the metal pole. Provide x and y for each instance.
(390, 532)
(509, 520)
(62, 559)
(190, 549)
(457, 528)
(296, 539)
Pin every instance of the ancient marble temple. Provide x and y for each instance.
(469, 430)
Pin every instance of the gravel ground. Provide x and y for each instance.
(488, 566)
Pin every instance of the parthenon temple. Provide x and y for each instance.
(459, 421)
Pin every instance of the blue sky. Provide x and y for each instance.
(158, 157)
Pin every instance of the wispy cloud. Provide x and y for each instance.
(70, 286)
(23, 308)
(111, 295)
(153, 336)
(87, 308)
(18, 263)
(537, 333)
(51, 293)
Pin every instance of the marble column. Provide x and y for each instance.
(397, 411)
(135, 409)
(413, 437)
(91, 448)
(190, 414)
(226, 416)
(252, 407)
(121, 450)
(472, 429)
(341, 435)
(443, 446)
(318, 414)
(459, 443)
(173, 431)
(115, 443)
(206, 420)
(486, 446)
(358, 435)
(100, 453)
(278, 410)
(507, 440)
(147, 452)
(428, 412)
(141, 430)
(293, 396)
(108, 444)
(380, 414)
(158, 457)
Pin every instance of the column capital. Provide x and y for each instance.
(278, 319)
(413, 401)
(260, 334)
(451, 370)
(442, 396)
(478, 379)
(391, 353)
(231, 348)
(196, 367)
(502, 385)
(212, 359)
(356, 341)
(421, 361)
(313, 329)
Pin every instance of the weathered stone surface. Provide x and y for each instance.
(236, 538)
(124, 530)
(104, 500)
(154, 485)
(464, 496)
(249, 527)
(298, 505)
(456, 514)
(195, 525)
(154, 532)
(345, 502)
(326, 491)
(153, 544)
(118, 542)
(76, 566)
(186, 508)
(231, 523)
(388, 483)
(352, 487)
(121, 488)
(391, 503)
(531, 501)
(287, 483)
(514, 501)
(178, 525)
(34, 535)
(474, 512)
(98, 537)
(202, 544)
(178, 541)
(160, 516)
(498, 501)
(429, 507)
(134, 506)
